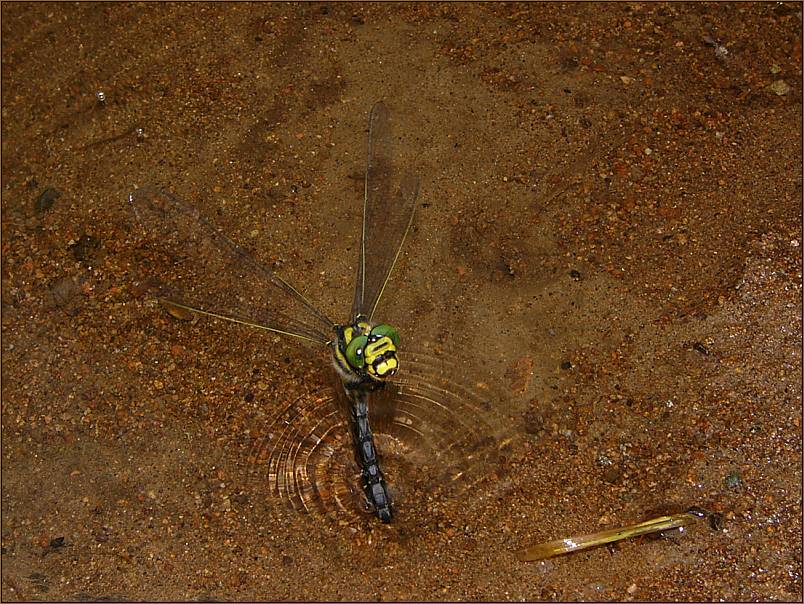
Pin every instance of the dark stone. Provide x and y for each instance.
(46, 199)
(715, 521)
(57, 542)
(534, 422)
(85, 248)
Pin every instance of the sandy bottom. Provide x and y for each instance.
(600, 300)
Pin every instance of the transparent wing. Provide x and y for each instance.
(388, 208)
(212, 275)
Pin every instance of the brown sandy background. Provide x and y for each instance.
(609, 212)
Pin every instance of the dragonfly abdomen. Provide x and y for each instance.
(374, 485)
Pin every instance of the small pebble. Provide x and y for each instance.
(612, 474)
(63, 292)
(733, 480)
(779, 87)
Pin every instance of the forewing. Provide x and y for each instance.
(388, 208)
(214, 276)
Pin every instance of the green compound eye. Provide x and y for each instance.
(354, 352)
(386, 330)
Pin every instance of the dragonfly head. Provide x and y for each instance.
(372, 350)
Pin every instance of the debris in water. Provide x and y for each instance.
(542, 551)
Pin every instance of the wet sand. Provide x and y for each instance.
(609, 229)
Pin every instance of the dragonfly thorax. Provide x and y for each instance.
(364, 353)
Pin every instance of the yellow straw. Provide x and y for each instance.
(542, 551)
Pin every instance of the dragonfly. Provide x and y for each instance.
(364, 352)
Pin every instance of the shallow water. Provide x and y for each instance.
(607, 239)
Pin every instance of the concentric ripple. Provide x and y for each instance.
(435, 435)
